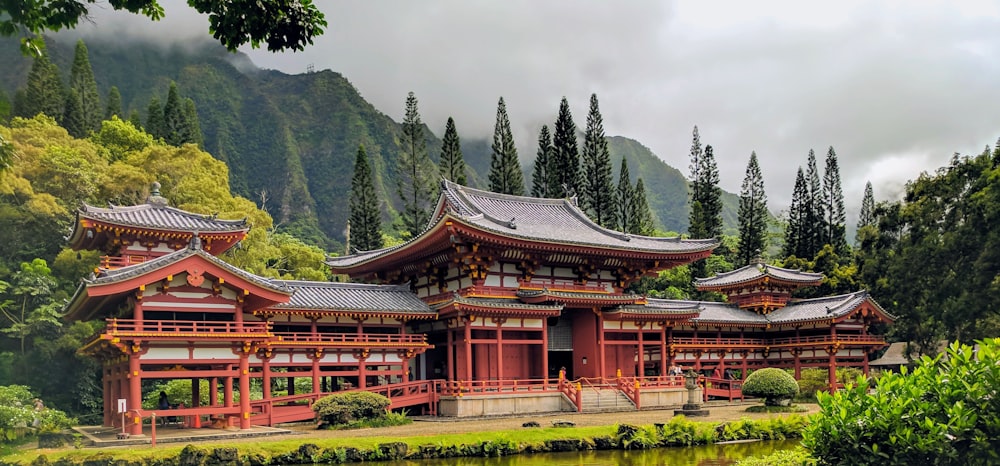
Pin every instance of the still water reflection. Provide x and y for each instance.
(705, 455)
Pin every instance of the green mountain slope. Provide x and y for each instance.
(289, 140)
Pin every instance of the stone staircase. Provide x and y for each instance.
(605, 400)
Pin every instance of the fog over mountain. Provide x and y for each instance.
(895, 87)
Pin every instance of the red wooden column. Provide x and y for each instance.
(109, 396)
(602, 354)
(545, 351)
(227, 392)
(316, 356)
(500, 322)
(244, 388)
(450, 374)
(832, 367)
(134, 388)
(468, 348)
(265, 373)
(797, 352)
(362, 370)
(213, 391)
(664, 367)
(641, 369)
(137, 310)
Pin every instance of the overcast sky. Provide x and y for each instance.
(895, 87)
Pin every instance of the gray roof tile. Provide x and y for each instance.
(830, 307)
(161, 217)
(353, 297)
(756, 271)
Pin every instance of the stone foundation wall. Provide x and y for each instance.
(503, 405)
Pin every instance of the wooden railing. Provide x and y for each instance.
(630, 388)
(573, 391)
(127, 327)
(719, 387)
(349, 339)
(739, 342)
(827, 339)
(117, 262)
(493, 387)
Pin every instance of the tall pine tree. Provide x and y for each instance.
(642, 218)
(540, 175)
(452, 165)
(173, 118)
(795, 230)
(752, 214)
(191, 130)
(416, 187)
(154, 118)
(596, 187)
(706, 202)
(565, 162)
(82, 80)
(365, 217)
(43, 91)
(505, 169)
(694, 218)
(625, 198)
(812, 234)
(835, 218)
(72, 118)
(867, 216)
(114, 107)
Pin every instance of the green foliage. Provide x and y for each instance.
(540, 175)
(19, 416)
(365, 221)
(834, 217)
(564, 163)
(753, 214)
(451, 164)
(44, 91)
(505, 169)
(416, 188)
(945, 412)
(772, 384)
(624, 198)
(81, 80)
(642, 218)
(114, 106)
(597, 192)
(344, 408)
(794, 457)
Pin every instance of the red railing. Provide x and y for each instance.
(723, 388)
(661, 381)
(220, 328)
(117, 262)
(718, 341)
(407, 394)
(828, 339)
(573, 391)
(630, 388)
(761, 300)
(493, 387)
(349, 339)
(568, 287)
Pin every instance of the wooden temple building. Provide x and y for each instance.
(499, 298)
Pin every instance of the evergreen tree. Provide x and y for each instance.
(173, 118)
(867, 216)
(154, 118)
(44, 90)
(73, 119)
(642, 220)
(114, 104)
(752, 214)
(596, 187)
(5, 107)
(812, 232)
(625, 197)
(540, 176)
(416, 187)
(694, 218)
(365, 220)
(191, 131)
(135, 119)
(82, 80)
(452, 164)
(505, 170)
(565, 161)
(835, 218)
(796, 219)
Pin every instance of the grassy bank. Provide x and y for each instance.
(679, 431)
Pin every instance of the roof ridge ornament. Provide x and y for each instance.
(155, 199)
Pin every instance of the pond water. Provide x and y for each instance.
(704, 455)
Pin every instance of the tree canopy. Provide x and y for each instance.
(279, 24)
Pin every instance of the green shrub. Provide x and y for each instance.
(793, 457)
(945, 412)
(774, 385)
(20, 420)
(345, 408)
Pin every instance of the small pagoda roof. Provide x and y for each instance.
(756, 272)
(160, 217)
(548, 223)
(831, 307)
(567, 297)
(498, 307)
(895, 356)
(655, 310)
(397, 300)
(112, 283)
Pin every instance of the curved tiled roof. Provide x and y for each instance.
(757, 271)
(555, 221)
(498, 303)
(830, 307)
(353, 297)
(160, 217)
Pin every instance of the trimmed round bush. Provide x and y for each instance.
(776, 386)
(344, 408)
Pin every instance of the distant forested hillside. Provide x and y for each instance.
(290, 140)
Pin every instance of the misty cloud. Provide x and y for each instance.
(895, 87)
